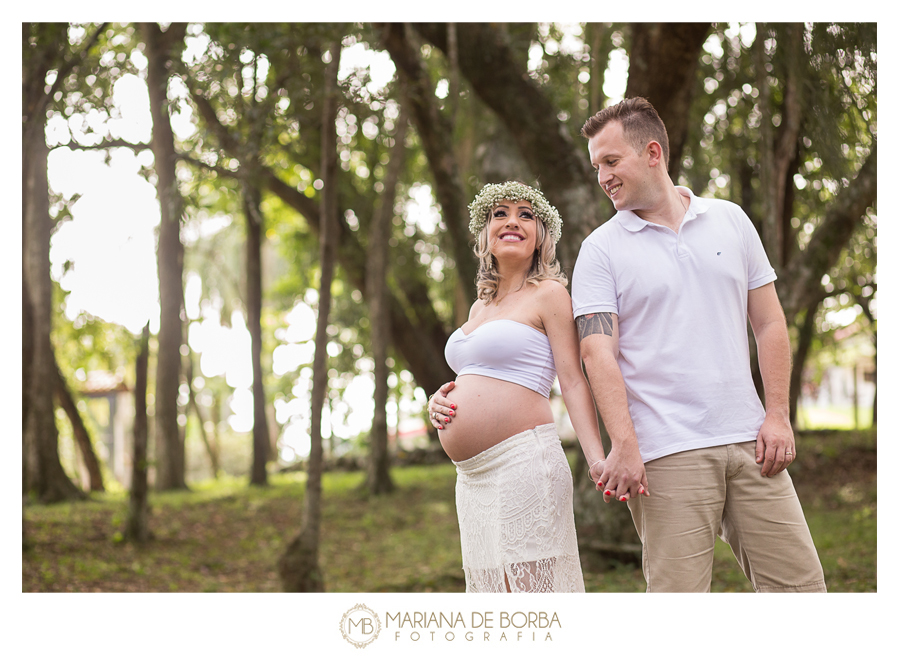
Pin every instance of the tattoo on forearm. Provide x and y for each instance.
(594, 323)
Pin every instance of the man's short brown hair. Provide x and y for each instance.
(640, 124)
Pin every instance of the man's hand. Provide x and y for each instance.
(775, 445)
(622, 476)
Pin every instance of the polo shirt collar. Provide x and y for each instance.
(631, 222)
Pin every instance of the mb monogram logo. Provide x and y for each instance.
(360, 626)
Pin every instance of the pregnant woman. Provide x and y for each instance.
(514, 485)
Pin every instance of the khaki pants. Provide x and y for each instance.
(699, 494)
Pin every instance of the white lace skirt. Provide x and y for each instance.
(517, 529)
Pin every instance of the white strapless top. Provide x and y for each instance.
(504, 349)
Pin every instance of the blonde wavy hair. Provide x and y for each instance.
(543, 266)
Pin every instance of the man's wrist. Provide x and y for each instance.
(626, 448)
(780, 414)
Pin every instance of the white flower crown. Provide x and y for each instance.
(493, 193)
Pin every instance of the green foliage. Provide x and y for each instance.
(566, 54)
(838, 97)
(84, 97)
(90, 343)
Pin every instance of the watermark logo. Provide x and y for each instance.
(360, 626)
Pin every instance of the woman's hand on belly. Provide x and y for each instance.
(441, 409)
(492, 410)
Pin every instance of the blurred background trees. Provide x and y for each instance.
(228, 131)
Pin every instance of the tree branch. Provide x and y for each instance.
(832, 235)
(219, 171)
(208, 112)
(108, 144)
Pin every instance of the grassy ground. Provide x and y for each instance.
(226, 537)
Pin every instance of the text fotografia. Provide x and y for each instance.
(477, 626)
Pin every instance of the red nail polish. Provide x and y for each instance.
(608, 492)
(622, 499)
(453, 406)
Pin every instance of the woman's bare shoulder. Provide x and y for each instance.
(476, 309)
(553, 292)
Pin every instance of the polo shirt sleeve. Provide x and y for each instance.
(593, 284)
(759, 270)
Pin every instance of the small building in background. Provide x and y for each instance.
(839, 388)
(114, 419)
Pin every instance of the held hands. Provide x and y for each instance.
(440, 409)
(620, 477)
(775, 445)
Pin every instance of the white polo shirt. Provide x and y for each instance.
(681, 301)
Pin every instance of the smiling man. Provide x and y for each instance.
(661, 294)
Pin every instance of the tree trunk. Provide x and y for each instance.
(778, 149)
(215, 416)
(804, 342)
(44, 48)
(601, 46)
(211, 449)
(255, 234)
(379, 476)
(875, 399)
(789, 248)
(662, 66)
(299, 565)
(137, 526)
(43, 474)
(170, 257)
(79, 431)
(27, 356)
(274, 432)
(787, 139)
(864, 303)
(767, 199)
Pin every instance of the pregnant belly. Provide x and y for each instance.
(487, 412)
